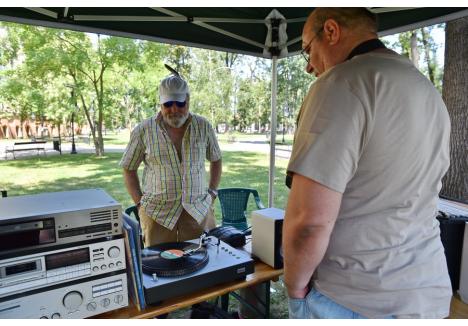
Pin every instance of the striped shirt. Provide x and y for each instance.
(170, 185)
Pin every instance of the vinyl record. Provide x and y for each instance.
(168, 260)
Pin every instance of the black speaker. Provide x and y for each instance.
(267, 231)
(452, 229)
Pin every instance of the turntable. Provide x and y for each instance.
(178, 268)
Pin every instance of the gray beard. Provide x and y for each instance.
(176, 122)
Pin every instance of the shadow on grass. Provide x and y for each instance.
(105, 173)
(240, 169)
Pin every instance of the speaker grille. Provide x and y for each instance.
(100, 216)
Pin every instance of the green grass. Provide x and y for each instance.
(62, 172)
(117, 138)
(68, 172)
(52, 173)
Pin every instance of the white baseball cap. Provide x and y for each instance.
(173, 88)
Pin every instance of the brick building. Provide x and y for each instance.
(13, 128)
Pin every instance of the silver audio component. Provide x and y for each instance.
(45, 269)
(72, 301)
(34, 222)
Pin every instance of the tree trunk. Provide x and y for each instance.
(454, 92)
(230, 59)
(99, 144)
(414, 49)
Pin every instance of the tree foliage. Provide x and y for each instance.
(293, 85)
(112, 82)
(47, 66)
(421, 48)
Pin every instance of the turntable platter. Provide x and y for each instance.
(168, 259)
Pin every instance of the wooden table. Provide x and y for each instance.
(458, 309)
(263, 273)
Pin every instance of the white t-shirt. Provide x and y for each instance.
(376, 130)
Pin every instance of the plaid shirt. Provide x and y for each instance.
(169, 185)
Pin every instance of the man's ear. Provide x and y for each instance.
(331, 31)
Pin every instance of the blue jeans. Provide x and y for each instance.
(317, 306)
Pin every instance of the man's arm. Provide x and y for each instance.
(216, 168)
(132, 182)
(309, 220)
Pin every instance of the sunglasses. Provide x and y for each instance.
(169, 104)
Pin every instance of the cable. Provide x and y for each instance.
(247, 231)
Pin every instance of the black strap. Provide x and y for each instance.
(364, 47)
(367, 46)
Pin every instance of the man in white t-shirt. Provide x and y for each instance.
(360, 236)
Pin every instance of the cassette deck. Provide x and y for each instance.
(33, 222)
(60, 266)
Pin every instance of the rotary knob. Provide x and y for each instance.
(105, 302)
(113, 252)
(118, 299)
(72, 300)
(91, 306)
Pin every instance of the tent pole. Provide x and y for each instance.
(274, 88)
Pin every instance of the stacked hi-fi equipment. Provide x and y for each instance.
(62, 255)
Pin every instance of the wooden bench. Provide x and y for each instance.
(26, 146)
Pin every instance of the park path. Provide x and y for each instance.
(256, 145)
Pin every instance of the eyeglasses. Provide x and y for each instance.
(169, 104)
(305, 51)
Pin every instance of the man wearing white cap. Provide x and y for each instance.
(174, 202)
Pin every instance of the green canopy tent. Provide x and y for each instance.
(263, 32)
(240, 30)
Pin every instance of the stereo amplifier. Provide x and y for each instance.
(75, 300)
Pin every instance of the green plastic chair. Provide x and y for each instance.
(233, 203)
(133, 210)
